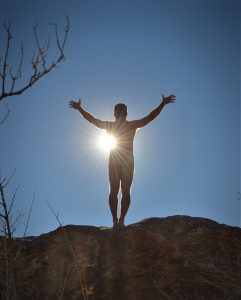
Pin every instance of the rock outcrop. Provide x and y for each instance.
(177, 257)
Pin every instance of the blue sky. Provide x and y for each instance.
(187, 160)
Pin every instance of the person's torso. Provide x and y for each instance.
(124, 134)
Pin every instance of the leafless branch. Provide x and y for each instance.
(82, 265)
(29, 213)
(41, 50)
(10, 248)
(13, 199)
(26, 227)
(7, 28)
(5, 214)
(6, 181)
(14, 224)
(6, 115)
(18, 74)
(39, 64)
(59, 44)
(56, 214)
(64, 283)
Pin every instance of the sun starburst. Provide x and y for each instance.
(107, 142)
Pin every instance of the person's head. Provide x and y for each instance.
(120, 111)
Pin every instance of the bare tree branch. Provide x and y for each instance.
(41, 50)
(13, 199)
(7, 28)
(5, 212)
(29, 213)
(56, 214)
(39, 64)
(81, 265)
(2, 182)
(19, 71)
(6, 115)
(15, 223)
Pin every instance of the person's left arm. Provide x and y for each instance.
(153, 114)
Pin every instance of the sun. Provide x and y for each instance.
(107, 142)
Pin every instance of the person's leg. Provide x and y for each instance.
(126, 182)
(114, 180)
(113, 203)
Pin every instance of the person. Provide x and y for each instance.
(121, 159)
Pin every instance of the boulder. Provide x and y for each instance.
(177, 257)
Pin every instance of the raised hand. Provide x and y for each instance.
(74, 104)
(169, 99)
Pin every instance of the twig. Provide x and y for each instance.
(62, 288)
(39, 65)
(29, 213)
(81, 269)
(19, 71)
(5, 215)
(5, 65)
(6, 115)
(7, 180)
(13, 199)
(26, 225)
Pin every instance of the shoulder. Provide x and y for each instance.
(133, 124)
(108, 125)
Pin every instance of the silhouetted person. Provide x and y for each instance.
(121, 159)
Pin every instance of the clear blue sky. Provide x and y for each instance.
(187, 160)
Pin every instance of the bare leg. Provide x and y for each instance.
(126, 182)
(125, 203)
(114, 179)
(113, 202)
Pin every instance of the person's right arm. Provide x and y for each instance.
(89, 117)
(153, 114)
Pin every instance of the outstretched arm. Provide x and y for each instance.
(89, 117)
(152, 115)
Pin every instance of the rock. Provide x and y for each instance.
(178, 257)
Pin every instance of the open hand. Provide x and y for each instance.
(74, 104)
(169, 99)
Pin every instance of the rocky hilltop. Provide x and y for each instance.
(177, 257)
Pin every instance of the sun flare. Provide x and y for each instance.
(107, 142)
